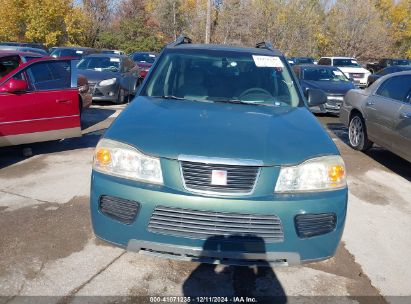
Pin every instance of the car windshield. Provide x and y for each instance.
(346, 62)
(323, 74)
(100, 64)
(223, 76)
(144, 57)
(400, 62)
(304, 60)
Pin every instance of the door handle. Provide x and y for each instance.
(405, 115)
(370, 103)
(63, 101)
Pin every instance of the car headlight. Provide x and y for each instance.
(118, 159)
(317, 174)
(107, 82)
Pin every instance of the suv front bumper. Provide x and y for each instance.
(290, 251)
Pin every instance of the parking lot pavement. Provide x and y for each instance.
(47, 246)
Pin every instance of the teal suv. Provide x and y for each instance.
(219, 160)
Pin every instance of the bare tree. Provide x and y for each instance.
(99, 14)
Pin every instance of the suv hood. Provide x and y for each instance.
(170, 128)
(354, 70)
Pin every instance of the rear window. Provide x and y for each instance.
(141, 57)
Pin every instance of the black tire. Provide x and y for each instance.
(357, 133)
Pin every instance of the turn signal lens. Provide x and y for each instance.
(336, 174)
(103, 157)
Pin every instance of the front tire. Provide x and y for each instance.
(357, 133)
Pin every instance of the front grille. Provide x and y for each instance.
(308, 225)
(204, 224)
(240, 179)
(122, 210)
(356, 75)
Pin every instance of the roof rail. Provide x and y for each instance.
(180, 40)
(264, 45)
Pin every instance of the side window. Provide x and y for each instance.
(396, 88)
(8, 64)
(50, 75)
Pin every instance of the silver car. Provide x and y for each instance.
(380, 114)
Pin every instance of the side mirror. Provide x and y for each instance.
(316, 97)
(351, 79)
(14, 86)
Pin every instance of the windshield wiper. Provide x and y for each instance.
(169, 97)
(238, 101)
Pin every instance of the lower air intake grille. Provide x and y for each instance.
(309, 225)
(122, 210)
(204, 224)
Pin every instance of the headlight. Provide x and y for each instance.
(118, 159)
(107, 82)
(317, 174)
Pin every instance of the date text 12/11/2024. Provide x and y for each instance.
(203, 299)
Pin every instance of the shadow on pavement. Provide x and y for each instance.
(255, 280)
(386, 158)
(90, 117)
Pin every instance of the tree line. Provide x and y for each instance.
(364, 29)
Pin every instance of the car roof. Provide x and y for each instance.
(225, 47)
(339, 57)
(72, 48)
(316, 66)
(105, 55)
(4, 53)
(138, 52)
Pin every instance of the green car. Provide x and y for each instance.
(219, 160)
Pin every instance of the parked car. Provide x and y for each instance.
(388, 70)
(112, 77)
(327, 78)
(75, 52)
(374, 67)
(144, 60)
(219, 144)
(39, 102)
(381, 114)
(25, 44)
(303, 60)
(12, 59)
(105, 51)
(350, 67)
(23, 49)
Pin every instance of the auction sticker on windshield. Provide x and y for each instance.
(114, 59)
(268, 61)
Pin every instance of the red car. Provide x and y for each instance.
(39, 101)
(13, 59)
(144, 60)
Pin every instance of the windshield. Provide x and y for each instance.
(346, 63)
(223, 76)
(304, 60)
(144, 57)
(323, 74)
(111, 64)
(400, 62)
